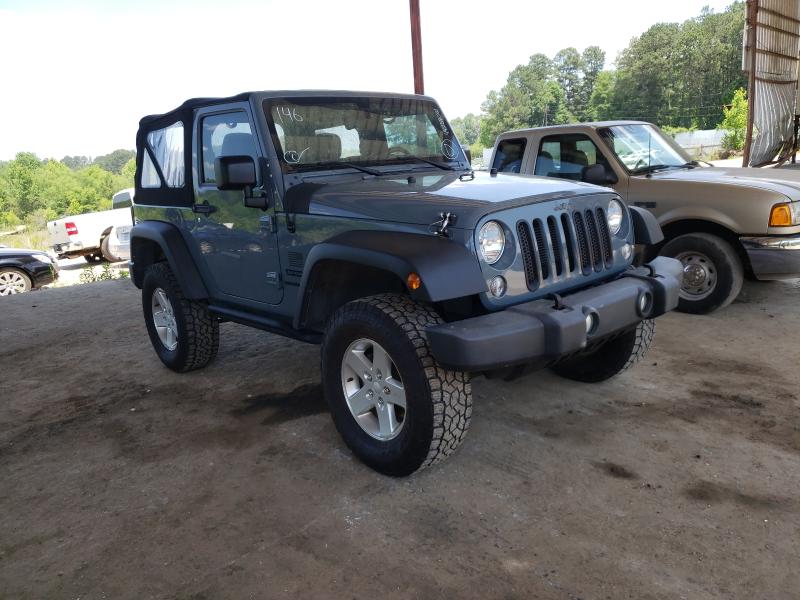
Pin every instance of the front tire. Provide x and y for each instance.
(184, 334)
(611, 357)
(14, 281)
(396, 408)
(712, 272)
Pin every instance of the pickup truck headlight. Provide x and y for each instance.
(786, 214)
(614, 215)
(491, 242)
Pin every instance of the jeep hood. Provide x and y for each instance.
(420, 197)
(782, 181)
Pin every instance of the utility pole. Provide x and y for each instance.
(752, 22)
(416, 46)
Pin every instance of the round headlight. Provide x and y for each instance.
(491, 241)
(614, 215)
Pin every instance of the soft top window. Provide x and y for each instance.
(167, 148)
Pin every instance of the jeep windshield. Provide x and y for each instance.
(643, 148)
(322, 133)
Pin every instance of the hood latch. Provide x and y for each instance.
(439, 227)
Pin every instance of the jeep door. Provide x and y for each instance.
(236, 244)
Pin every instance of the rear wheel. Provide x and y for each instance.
(183, 332)
(13, 281)
(611, 357)
(396, 408)
(712, 271)
(105, 250)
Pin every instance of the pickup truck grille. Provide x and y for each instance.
(564, 245)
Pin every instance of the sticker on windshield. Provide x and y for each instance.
(449, 149)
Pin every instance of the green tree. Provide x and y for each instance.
(20, 175)
(569, 67)
(593, 59)
(734, 121)
(599, 105)
(128, 171)
(115, 161)
(467, 128)
(76, 162)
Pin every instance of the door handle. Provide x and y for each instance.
(205, 208)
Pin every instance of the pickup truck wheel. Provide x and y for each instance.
(183, 333)
(712, 272)
(13, 281)
(611, 357)
(106, 251)
(396, 408)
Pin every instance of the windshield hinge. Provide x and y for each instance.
(446, 219)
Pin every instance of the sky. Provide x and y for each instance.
(77, 75)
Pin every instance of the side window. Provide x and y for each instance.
(508, 158)
(167, 147)
(227, 134)
(150, 178)
(565, 156)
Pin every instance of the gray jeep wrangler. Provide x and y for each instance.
(353, 220)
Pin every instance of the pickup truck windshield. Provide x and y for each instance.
(644, 148)
(327, 133)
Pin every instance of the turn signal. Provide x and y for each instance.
(413, 281)
(781, 216)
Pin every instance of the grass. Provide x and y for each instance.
(33, 239)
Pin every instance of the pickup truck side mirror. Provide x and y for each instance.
(239, 173)
(467, 152)
(598, 175)
(235, 172)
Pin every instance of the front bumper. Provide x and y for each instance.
(776, 257)
(541, 332)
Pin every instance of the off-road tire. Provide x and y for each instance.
(611, 357)
(729, 270)
(198, 330)
(106, 251)
(439, 401)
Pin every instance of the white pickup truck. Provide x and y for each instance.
(95, 236)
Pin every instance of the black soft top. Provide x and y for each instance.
(184, 196)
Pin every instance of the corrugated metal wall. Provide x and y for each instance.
(776, 73)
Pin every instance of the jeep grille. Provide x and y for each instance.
(555, 246)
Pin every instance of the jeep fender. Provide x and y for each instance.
(150, 240)
(646, 229)
(446, 268)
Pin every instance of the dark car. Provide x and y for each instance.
(25, 270)
(354, 221)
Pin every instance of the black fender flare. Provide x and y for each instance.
(446, 268)
(646, 229)
(169, 239)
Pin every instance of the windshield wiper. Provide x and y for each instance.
(444, 166)
(337, 163)
(650, 169)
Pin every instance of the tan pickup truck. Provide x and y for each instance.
(721, 223)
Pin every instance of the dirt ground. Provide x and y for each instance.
(120, 479)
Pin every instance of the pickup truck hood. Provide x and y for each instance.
(782, 181)
(419, 198)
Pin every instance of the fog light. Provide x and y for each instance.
(627, 251)
(497, 286)
(591, 322)
(645, 303)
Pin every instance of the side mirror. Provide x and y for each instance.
(598, 175)
(467, 152)
(235, 172)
